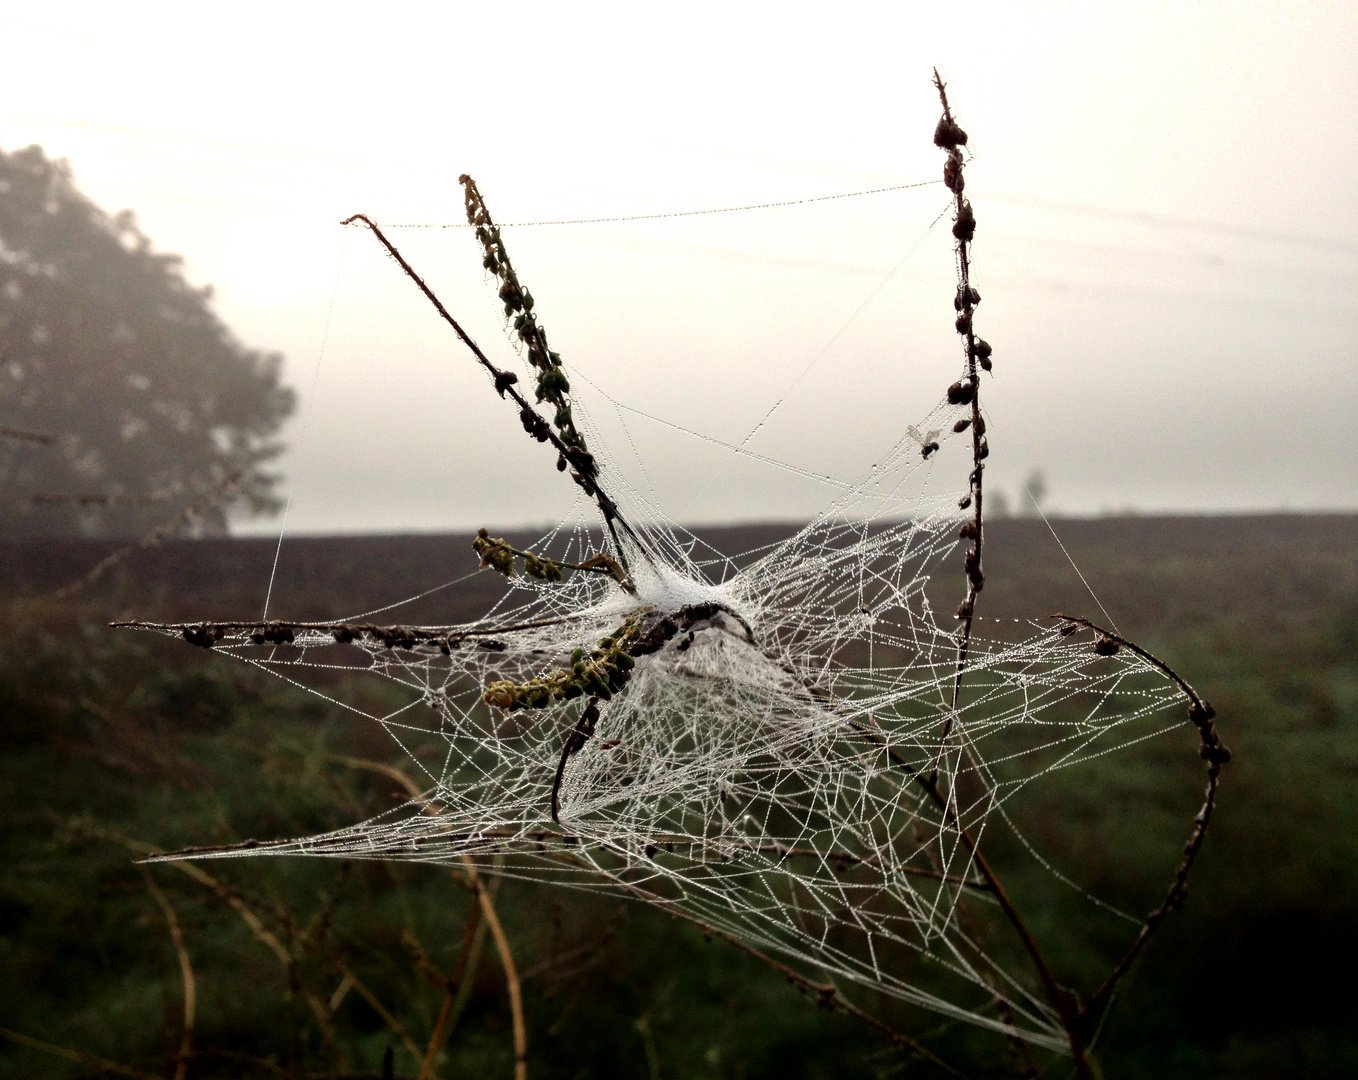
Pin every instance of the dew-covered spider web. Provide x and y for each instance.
(771, 743)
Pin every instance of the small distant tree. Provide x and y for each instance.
(1034, 493)
(152, 405)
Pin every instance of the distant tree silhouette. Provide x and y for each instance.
(153, 406)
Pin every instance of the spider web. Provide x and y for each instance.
(759, 772)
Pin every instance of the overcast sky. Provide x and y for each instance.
(1167, 246)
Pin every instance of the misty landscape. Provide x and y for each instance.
(659, 564)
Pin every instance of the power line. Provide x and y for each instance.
(676, 213)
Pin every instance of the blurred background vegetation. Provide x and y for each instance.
(116, 743)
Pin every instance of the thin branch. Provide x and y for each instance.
(185, 972)
(153, 854)
(214, 495)
(950, 137)
(1058, 996)
(504, 384)
(24, 435)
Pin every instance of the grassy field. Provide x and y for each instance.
(118, 743)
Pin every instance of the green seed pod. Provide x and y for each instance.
(624, 661)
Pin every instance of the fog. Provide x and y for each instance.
(1167, 247)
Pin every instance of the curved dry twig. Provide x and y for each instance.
(1211, 749)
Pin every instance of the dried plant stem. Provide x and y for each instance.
(185, 973)
(504, 383)
(1214, 752)
(267, 937)
(207, 634)
(1057, 995)
(950, 137)
(506, 962)
(848, 858)
(967, 391)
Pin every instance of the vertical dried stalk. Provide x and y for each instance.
(185, 972)
(949, 136)
(511, 973)
(385, 1013)
(967, 391)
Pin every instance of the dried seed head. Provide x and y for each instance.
(501, 694)
(948, 135)
(964, 228)
(961, 393)
(961, 425)
(952, 173)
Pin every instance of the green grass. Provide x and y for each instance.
(110, 738)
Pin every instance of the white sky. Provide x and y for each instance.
(1167, 244)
